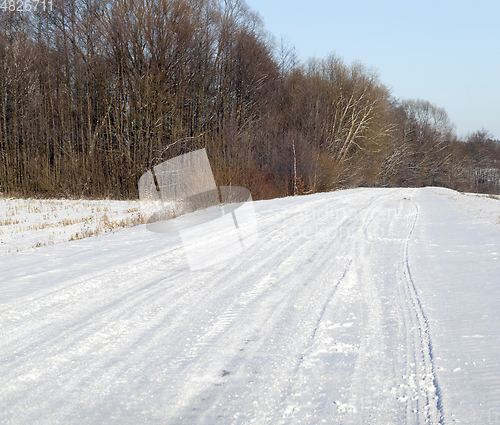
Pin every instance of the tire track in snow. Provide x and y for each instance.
(270, 270)
(372, 394)
(366, 397)
(327, 302)
(297, 408)
(419, 344)
(311, 259)
(271, 309)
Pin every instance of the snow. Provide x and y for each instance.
(363, 306)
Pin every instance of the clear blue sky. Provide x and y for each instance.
(443, 51)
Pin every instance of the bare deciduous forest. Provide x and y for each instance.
(93, 93)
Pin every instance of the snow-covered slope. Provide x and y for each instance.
(366, 306)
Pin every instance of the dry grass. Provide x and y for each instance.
(106, 225)
(46, 222)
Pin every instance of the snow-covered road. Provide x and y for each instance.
(365, 306)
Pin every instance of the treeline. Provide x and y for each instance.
(93, 93)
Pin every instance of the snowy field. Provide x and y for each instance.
(32, 223)
(364, 306)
